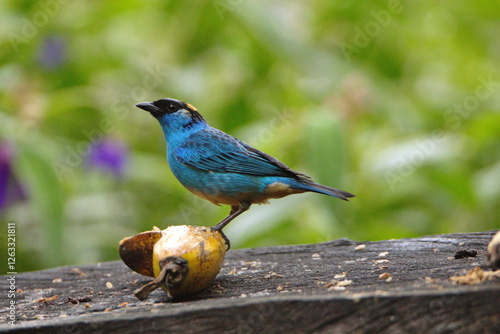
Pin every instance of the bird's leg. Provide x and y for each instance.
(235, 212)
(234, 208)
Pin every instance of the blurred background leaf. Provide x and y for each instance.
(397, 102)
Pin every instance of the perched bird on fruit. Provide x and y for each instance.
(222, 169)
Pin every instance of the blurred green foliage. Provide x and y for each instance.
(397, 102)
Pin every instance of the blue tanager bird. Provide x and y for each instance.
(222, 169)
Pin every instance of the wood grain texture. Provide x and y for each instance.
(293, 289)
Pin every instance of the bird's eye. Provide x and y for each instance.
(171, 107)
(168, 106)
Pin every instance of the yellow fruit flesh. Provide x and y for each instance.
(203, 249)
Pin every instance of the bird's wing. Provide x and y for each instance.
(216, 151)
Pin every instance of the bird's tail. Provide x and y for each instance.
(319, 188)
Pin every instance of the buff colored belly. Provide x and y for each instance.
(274, 190)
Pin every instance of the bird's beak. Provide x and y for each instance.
(148, 106)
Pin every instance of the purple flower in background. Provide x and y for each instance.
(52, 53)
(11, 190)
(110, 155)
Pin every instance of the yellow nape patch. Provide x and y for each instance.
(190, 106)
(279, 189)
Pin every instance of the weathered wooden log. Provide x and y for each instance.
(400, 286)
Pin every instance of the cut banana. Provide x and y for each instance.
(183, 259)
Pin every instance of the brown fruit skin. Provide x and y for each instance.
(137, 251)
